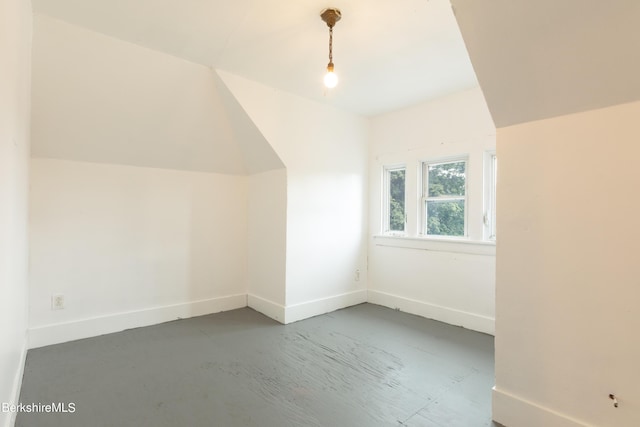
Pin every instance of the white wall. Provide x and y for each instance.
(451, 282)
(15, 84)
(567, 275)
(267, 246)
(175, 241)
(325, 153)
(130, 246)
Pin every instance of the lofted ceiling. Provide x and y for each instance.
(123, 81)
(545, 58)
(388, 54)
(99, 99)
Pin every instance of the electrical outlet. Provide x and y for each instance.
(357, 275)
(57, 302)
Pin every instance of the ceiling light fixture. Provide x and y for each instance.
(330, 16)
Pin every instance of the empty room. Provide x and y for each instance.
(301, 213)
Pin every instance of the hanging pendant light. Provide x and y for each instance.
(330, 16)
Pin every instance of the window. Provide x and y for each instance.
(394, 201)
(444, 198)
(491, 170)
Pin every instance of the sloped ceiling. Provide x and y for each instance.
(259, 156)
(544, 58)
(99, 99)
(388, 54)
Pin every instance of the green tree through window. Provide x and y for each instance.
(446, 199)
(396, 199)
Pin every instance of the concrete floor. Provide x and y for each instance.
(362, 366)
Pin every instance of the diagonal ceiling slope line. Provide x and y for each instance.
(259, 155)
(98, 99)
(536, 60)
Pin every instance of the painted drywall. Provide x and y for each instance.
(119, 240)
(567, 271)
(545, 58)
(15, 87)
(283, 43)
(451, 282)
(325, 153)
(257, 153)
(267, 245)
(100, 99)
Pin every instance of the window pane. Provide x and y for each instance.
(447, 179)
(396, 200)
(445, 217)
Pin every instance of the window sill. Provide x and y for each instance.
(456, 245)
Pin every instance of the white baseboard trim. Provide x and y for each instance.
(511, 410)
(452, 316)
(317, 307)
(17, 386)
(69, 331)
(267, 307)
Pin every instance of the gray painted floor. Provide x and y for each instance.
(362, 366)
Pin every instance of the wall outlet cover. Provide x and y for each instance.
(57, 302)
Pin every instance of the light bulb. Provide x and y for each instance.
(330, 79)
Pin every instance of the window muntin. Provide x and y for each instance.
(444, 198)
(394, 221)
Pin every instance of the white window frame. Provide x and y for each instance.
(386, 198)
(424, 166)
(490, 181)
